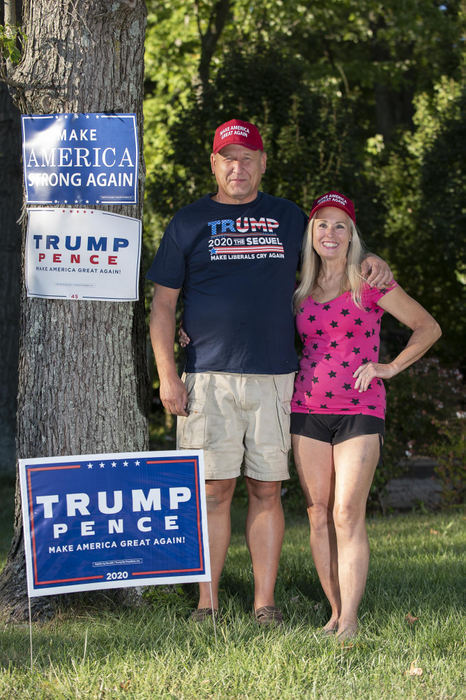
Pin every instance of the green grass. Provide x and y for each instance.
(155, 652)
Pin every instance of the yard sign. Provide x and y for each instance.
(114, 520)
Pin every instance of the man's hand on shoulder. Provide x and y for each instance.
(174, 396)
(376, 271)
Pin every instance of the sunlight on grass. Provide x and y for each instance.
(411, 643)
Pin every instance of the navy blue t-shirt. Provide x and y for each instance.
(236, 265)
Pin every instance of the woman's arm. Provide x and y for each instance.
(425, 329)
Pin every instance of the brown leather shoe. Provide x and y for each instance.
(203, 614)
(268, 615)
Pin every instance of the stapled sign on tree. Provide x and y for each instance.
(80, 159)
(114, 521)
(82, 254)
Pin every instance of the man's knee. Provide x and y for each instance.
(267, 493)
(219, 493)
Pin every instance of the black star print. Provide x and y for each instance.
(302, 377)
(326, 307)
(344, 312)
(334, 344)
(364, 360)
(378, 321)
(323, 405)
(375, 348)
(315, 346)
(372, 407)
(311, 318)
(332, 374)
(379, 382)
(304, 337)
(334, 324)
(329, 394)
(345, 364)
(299, 402)
(355, 401)
(367, 334)
(358, 321)
(346, 386)
(308, 394)
(315, 380)
(313, 364)
(349, 334)
(319, 332)
(327, 356)
(356, 351)
(301, 310)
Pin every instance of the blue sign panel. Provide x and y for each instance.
(114, 520)
(80, 158)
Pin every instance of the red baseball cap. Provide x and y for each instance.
(334, 199)
(237, 132)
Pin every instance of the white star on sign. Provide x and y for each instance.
(101, 465)
(90, 465)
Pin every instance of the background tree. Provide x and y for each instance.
(10, 249)
(10, 246)
(82, 371)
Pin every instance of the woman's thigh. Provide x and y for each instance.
(355, 461)
(314, 464)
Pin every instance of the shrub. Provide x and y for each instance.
(423, 418)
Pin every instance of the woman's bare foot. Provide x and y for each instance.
(331, 627)
(346, 632)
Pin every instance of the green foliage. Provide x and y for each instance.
(425, 214)
(420, 402)
(450, 452)
(12, 39)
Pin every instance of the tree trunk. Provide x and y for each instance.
(82, 369)
(10, 250)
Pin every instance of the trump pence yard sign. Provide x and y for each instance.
(114, 520)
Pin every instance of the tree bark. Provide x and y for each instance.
(10, 252)
(209, 40)
(82, 370)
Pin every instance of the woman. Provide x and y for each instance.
(338, 405)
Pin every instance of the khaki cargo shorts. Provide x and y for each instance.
(238, 419)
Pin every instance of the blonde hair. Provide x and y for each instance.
(311, 263)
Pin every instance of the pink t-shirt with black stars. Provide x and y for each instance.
(338, 337)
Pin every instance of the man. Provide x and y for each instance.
(234, 254)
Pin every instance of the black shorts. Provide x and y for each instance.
(332, 428)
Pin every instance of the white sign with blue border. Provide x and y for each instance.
(114, 521)
(80, 158)
(86, 254)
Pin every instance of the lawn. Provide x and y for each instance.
(411, 643)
